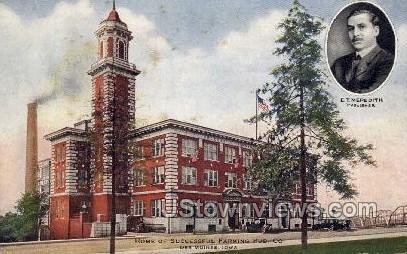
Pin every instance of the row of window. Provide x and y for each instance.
(297, 189)
(157, 176)
(83, 178)
(158, 149)
(190, 149)
(158, 207)
(189, 177)
(120, 49)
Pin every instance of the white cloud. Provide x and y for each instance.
(193, 85)
(214, 85)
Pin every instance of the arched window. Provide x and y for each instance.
(110, 47)
(121, 49)
(101, 49)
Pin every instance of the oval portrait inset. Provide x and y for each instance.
(361, 47)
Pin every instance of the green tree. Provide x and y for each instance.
(7, 227)
(23, 224)
(305, 137)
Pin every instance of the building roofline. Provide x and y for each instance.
(172, 123)
(166, 124)
(65, 132)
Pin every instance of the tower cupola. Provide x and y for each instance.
(113, 37)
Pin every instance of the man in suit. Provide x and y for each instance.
(368, 67)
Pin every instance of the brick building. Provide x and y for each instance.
(176, 161)
(157, 167)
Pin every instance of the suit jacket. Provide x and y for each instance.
(369, 74)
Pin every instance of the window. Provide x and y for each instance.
(158, 147)
(297, 188)
(230, 154)
(158, 174)
(157, 207)
(60, 209)
(247, 159)
(138, 175)
(59, 178)
(189, 175)
(138, 208)
(248, 182)
(137, 150)
(210, 152)
(211, 177)
(309, 190)
(231, 180)
(60, 153)
(121, 50)
(82, 178)
(101, 49)
(189, 147)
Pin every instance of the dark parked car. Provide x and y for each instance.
(255, 227)
(332, 224)
(136, 224)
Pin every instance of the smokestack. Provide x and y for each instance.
(31, 149)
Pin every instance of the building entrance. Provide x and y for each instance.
(233, 198)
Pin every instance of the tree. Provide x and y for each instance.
(305, 131)
(7, 227)
(23, 225)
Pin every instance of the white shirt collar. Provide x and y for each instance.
(365, 51)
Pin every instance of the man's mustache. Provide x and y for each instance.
(357, 39)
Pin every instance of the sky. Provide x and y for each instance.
(201, 62)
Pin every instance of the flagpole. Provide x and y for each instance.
(257, 97)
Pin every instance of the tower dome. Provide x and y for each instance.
(113, 16)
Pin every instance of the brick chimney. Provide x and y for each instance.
(31, 149)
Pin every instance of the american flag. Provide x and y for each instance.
(236, 164)
(194, 158)
(262, 104)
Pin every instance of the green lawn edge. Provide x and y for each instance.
(372, 246)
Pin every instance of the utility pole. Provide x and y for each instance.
(113, 205)
(303, 172)
(257, 98)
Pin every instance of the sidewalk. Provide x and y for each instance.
(217, 248)
(178, 243)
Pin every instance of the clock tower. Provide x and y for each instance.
(113, 106)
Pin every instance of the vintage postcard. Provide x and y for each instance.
(203, 126)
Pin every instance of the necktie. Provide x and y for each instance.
(355, 64)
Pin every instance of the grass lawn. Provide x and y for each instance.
(383, 245)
